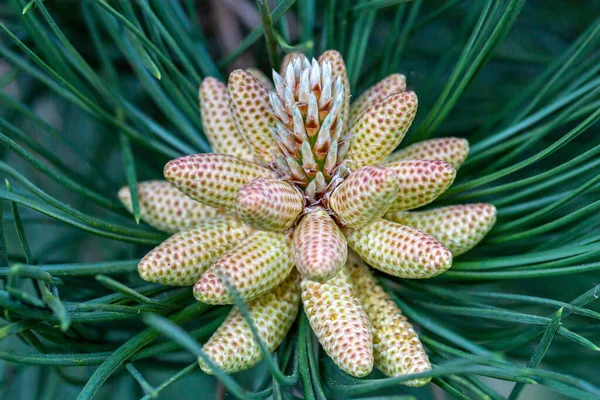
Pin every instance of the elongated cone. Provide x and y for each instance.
(420, 182)
(381, 128)
(364, 196)
(233, 347)
(458, 227)
(338, 69)
(217, 121)
(340, 323)
(452, 150)
(395, 83)
(397, 349)
(249, 102)
(269, 204)
(320, 248)
(399, 250)
(183, 258)
(261, 77)
(256, 265)
(166, 208)
(213, 179)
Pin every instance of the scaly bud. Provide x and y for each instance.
(290, 76)
(340, 323)
(166, 208)
(298, 127)
(233, 348)
(458, 227)
(381, 128)
(393, 84)
(420, 182)
(315, 76)
(278, 108)
(217, 121)
(399, 250)
(287, 59)
(327, 92)
(338, 70)
(452, 150)
(249, 102)
(308, 160)
(304, 89)
(298, 174)
(183, 258)
(260, 262)
(269, 204)
(364, 196)
(331, 160)
(312, 116)
(397, 349)
(213, 179)
(320, 248)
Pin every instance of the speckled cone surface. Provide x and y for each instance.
(380, 128)
(250, 109)
(269, 204)
(299, 175)
(393, 84)
(452, 150)
(261, 77)
(233, 347)
(339, 321)
(399, 250)
(459, 227)
(166, 208)
(217, 121)
(320, 248)
(213, 179)
(364, 196)
(257, 264)
(185, 256)
(420, 182)
(397, 349)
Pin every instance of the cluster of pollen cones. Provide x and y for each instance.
(301, 197)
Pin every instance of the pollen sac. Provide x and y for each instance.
(459, 227)
(420, 182)
(381, 128)
(340, 323)
(249, 102)
(320, 248)
(213, 179)
(261, 77)
(393, 84)
(269, 204)
(217, 121)
(183, 258)
(452, 150)
(165, 208)
(233, 348)
(364, 196)
(259, 263)
(397, 349)
(399, 250)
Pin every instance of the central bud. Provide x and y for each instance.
(307, 104)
